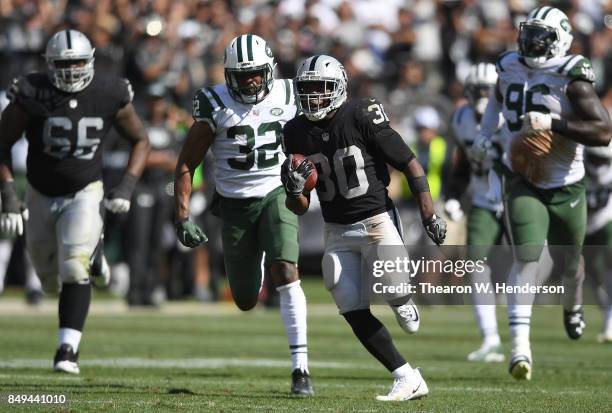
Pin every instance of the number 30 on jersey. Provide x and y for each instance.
(351, 178)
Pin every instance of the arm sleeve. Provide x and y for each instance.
(393, 148)
(203, 109)
(374, 125)
(490, 119)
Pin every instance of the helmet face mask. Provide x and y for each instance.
(536, 40)
(249, 67)
(320, 86)
(70, 61)
(545, 34)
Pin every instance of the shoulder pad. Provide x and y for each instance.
(370, 113)
(503, 59)
(579, 68)
(204, 105)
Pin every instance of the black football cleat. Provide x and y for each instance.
(66, 359)
(300, 383)
(574, 323)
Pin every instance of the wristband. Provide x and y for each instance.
(559, 126)
(418, 184)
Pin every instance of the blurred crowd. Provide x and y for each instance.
(410, 54)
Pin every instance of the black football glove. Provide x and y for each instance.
(295, 179)
(435, 227)
(190, 234)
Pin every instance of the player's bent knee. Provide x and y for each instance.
(74, 270)
(283, 272)
(331, 270)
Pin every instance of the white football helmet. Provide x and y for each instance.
(320, 86)
(478, 85)
(63, 50)
(545, 34)
(246, 55)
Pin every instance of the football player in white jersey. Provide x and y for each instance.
(598, 241)
(551, 110)
(241, 122)
(484, 226)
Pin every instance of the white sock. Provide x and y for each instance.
(6, 246)
(405, 370)
(487, 323)
(70, 336)
(608, 320)
(293, 313)
(520, 305)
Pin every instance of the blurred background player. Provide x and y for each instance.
(241, 122)
(65, 114)
(351, 143)
(484, 225)
(551, 109)
(598, 241)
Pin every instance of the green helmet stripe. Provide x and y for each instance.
(535, 12)
(216, 97)
(548, 10)
(287, 92)
(239, 49)
(250, 47)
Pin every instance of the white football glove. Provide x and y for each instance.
(12, 224)
(117, 205)
(452, 207)
(536, 121)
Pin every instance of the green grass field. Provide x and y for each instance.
(193, 357)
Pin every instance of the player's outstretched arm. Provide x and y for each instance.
(593, 126)
(435, 227)
(198, 140)
(130, 127)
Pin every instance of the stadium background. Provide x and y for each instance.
(411, 55)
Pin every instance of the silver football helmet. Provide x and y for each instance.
(320, 86)
(248, 55)
(70, 60)
(478, 85)
(545, 34)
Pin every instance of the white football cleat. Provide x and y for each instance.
(488, 354)
(605, 337)
(520, 366)
(407, 316)
(406, 388)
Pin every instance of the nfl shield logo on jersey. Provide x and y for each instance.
(325, 136)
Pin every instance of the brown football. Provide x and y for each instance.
(311, 182)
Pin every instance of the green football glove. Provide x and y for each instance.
(190, 234)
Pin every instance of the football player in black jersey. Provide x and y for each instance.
(65, 115)
(351, 144)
